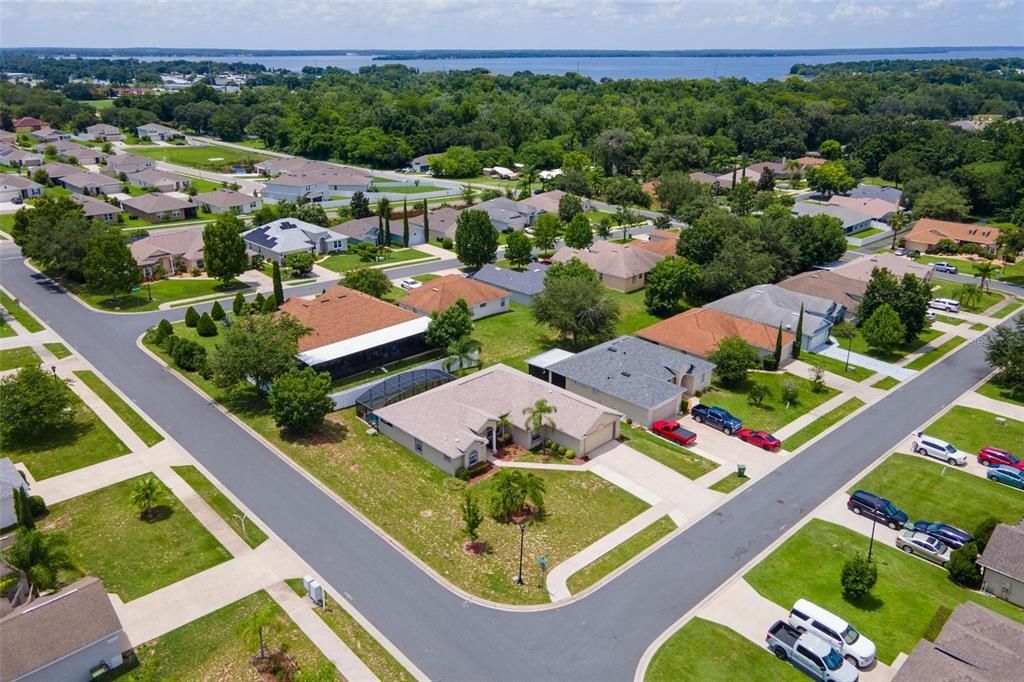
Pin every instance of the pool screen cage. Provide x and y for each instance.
(398, 387)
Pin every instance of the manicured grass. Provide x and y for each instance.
(993, 390)
(6, 331)
(773, 414)
(599, 568)
(1006, 310)
(164, 291)
(950, 320)
(87, 441)
(99, 103)
(343, 262)
(212, 647)
(924, 488)
(633, 315)
(400, 188)
(931, 356)
(979, 326)
(677, 458)
(867, 232)
(821, 424)
(838, 367)
(898, 353)
(970, 430)
(106, 538)
(946, 289)
(225, 508)
(709, 652)
(59, 350)
(885, 383)
(362, 643)
(512, 337)
(896, 613)
(426, 278)
(729, 483)
(12, 358)
(23, 316)
(126, 412)
(202, 157)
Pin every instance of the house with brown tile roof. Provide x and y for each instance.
(809, 161)
(351, 332)
(928, 232)
(99, 210)
(828, 284)
(698, 331)
(618, 266)
(661, 242)
(548, 201)
(1002, 563)
(439, 294)
(876, 209)
(157, 208)
(28, 124)
(227, 201)
(171, 251)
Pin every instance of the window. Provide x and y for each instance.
(418, 445)
(503, 302)
(473, 457)
(484, 304)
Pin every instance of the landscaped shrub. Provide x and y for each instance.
(36, 505)
(462, 473)
(859, 576)
(169, 343)
(447, 243)
(561, 450)
(963, 567)
(206, 326)
(191, 317)
(983, 532)
(269, 305)
(161, 332)
(166, 327)
(570, 454)
(548, 444)
(789, 391)
(769, 364)
(189, 355)
(238, 305)
(217, 312)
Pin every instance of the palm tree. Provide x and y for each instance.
(794, 168)
(969, 295)
(507, 494)
(462, 353)
(38, 557)
(897, 221)
(252, 629)
(984, 271)
(146, 494)
(531, 487)
(538, 416)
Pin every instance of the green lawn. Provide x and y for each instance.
(87, 441)
(946, 289)
(923, 488)
(898, 353)
(838, 367)
(512, 337)
(13, 358)
(599, 568)
(6, 331)
(970, 430)
(773, 414)
(209, 157)
(225, 508)
(979, 326)
(729, 483)
(933, 355)
(950, 320)
(633, 315)
(99, 103)
(343, 262)
(212, 647)
(402, 188)
(23, 316)
(425, 278)
(164, 291)
(709, 652)
(896, 613)
(821, 424)
(59, 350)
(1009, 273)
(885, 383)
(677, 458)
(992, 389)
(1006, 310)
(107, 539)
(362, 643)
(126, 412)
(867, 232)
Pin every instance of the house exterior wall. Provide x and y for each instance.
(416, 235)
(605, 433)
(432, 455)
(695, 383)
(274, 190)
(638, 413)
(76, 667)
(162, 216)
(625, 285)
(129, 168)
(1003, 586)
(927, 248)
(7, 515)
(254, 205)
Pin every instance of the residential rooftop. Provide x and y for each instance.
(529, 281)
(439, 294)
(613, 260)
(699, 330)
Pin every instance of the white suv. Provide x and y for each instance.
(836, 632)
(947, 304)
(939, 449)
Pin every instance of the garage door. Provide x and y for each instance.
(599, 437)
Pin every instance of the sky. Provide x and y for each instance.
(510, 24)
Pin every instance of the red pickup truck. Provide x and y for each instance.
(674, 432)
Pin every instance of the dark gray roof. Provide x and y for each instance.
(529, 281)
(286, 235)
(9, 476)
(874, 192)
(634, 370)
(1004, 552)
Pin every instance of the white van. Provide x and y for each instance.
(947, 304)
(834, 631)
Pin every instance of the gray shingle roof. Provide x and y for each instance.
(1004, 552)
(9, 476)
(529, 281)
(772, 305)
(873, 192)
(849, 216)
(286, 235)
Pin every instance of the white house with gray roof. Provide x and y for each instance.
(644, 381)
(1002, 563)
(853, 220)
(772, 305)
(10, 480)
(156, 132)
(277, 239)
(523, 285)
(506, 214)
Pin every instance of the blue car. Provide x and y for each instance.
(1007, 475)
(949, 535)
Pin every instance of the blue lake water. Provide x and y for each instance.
(754, 67)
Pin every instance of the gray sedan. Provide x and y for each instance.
(924, 546)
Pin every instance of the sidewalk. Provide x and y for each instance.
(869, 363)
(981, 402)
(96, 404)
(812, 416)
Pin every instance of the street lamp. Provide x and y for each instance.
(522, 540)
(871, 543)
(53, 368)
(149, 285)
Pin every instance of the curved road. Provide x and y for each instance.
(601, 637)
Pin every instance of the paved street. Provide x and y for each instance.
(601, 637)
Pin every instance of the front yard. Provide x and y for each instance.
(207, 157)
(773, 413)
(901, 351)
(970, 429)
(343, 262)
(838, 367)
(14, 358)
(946, 289)
(163, 291)
(992, 389)
(677, 458)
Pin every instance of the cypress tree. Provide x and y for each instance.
(778, 348)
(217, 312)
(426, 221)
(278, 287)
(799, 334)
(257, 303)
(206, 326)
(405, 223)
(238, 305)
(23, 510)
(191, 317)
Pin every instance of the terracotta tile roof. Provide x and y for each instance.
(662, 242)
(828, 284)
(862, 267)
(440, 294)
(342, 313)
(613, 260)
(931, 231)
(806, 161)
(27, 121)
(699, 330)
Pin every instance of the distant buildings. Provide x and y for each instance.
(619, 266)
(926, 234)
(156, 132)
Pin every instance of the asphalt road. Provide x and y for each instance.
(601, 637)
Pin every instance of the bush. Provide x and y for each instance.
(269, 304)
(166, 327)
(462, 473)
(299, 400)
(984, 531)
(191, 317)
(548, 444)
(188, 355)
(161, 332)
(859, 576)
(935, 625)
(757, 394)
(769, 364)
(206, 326)
(963, 567)
(447, 243)
(570, 454)
(789, 391)
(217, 312)
(36, 506)
(238, 305)
(561, 450)
(169, 343)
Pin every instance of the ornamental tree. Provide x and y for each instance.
(299, 400)
(476, 240)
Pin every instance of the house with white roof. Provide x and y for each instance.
(156, 132)
(278, 238)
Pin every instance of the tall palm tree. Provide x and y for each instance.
(794, 168)
(39, 557)
(538, 416)
(462, 353)
(532, 489)
(984, 272)
(897, 221)
(266, 619)
(969, 295)
(146, 494)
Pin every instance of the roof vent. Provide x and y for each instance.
(435, 289)
(626, 374)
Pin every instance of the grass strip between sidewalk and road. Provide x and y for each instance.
(821, 424)
(885, 383)
(729, 483)
(605, 564)
(135, 421)
(838, 367)
(931, 356)
(679, 459)
(979, 327)
(219, 502)
(1006, 310)
(59, 350)
(23, 316)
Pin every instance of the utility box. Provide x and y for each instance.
(306, 580)
(316, 593)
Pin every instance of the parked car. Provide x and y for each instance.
(806, 616)
(809, 654)
(924, 546)
(931, 446)
(930, 314)
(761, 439)
(951, 536)
(945, 267)
(1007, 475)
(997, 456)
(674, 432)
(410, 284)
(716, 417)
(879, 508)
(947, 304)
(901, 251)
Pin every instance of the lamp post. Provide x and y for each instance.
(871, 543)
(522, 540)
(53, 368)
(149, 285)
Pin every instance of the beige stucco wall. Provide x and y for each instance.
(995, 584)
(625, 285)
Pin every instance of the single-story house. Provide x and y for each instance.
(772, 305)
(440, 223)
(644, 381)
(501, 172)
(618, 266)
(57, 170)
(28, 124)
(547, 202)
(1002, 564)
(158, 208)
(290, 164)
(439, 294)
(828, 284)
(19, 158)
(18, 187)
(457, 424)
(976, 644)
(91, 183)
(863, 191)
(165, 181)
(129, 163)
(278, 238)
(546, 175)
(809, 161)
(705, 178)
(876, 209)
(753, 173)
(421, 164)
(172, 251)
(862, 267)
(294, 187)
(7, 137)
(506, 214)
(49, 135)
(96, 209)
(10, 480)
(103, 132)
(522, 285)
(367, 229)
(352, 332)
(68, 150)
(156, 132)
(73, 635)
(227, 201)
(853, 221)
(928, 232)
(698, 331)
(661, 242)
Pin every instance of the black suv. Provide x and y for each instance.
(869, 504)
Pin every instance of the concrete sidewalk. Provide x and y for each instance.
(98, 406)
(999, 407)
(878, 366)
(812, 416)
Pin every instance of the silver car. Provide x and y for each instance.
(924, 546)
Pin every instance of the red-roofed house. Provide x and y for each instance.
(28, 124)
(439, 294)
(928, 232)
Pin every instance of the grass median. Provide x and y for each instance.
(606, 564)
(219, 502)
(122, 409)
(822, 424)
(935, 354)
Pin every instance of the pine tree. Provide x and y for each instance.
(191, 317)
(405, 223)
(238, 305)
(278, 287)
(217, 312)
(206, 326)
(799, 334)
(778, 348)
